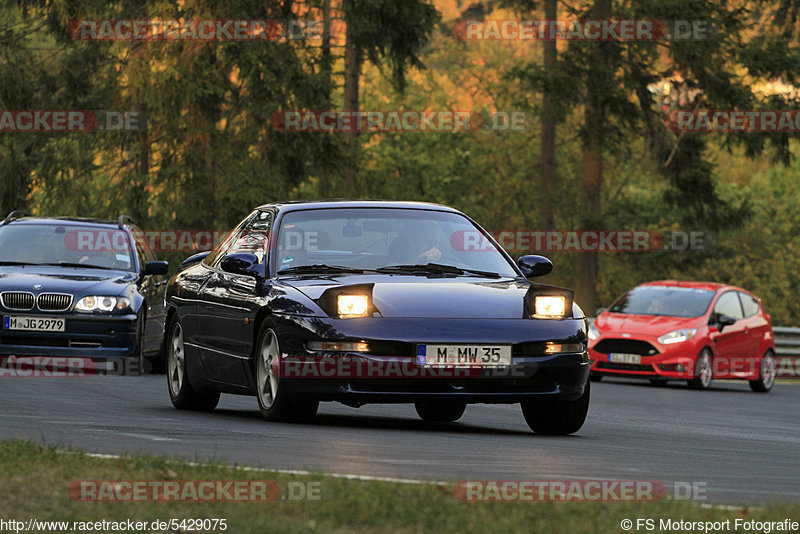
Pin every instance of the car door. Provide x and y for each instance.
(225, 323)
(756, 328)
(152, 289)
(731, 341)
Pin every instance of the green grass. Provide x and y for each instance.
(34, 479)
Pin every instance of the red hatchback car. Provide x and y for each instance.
(693, 331)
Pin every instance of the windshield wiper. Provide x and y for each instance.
(77, 265)
(321, 268)
(436, 268)
(15, 263)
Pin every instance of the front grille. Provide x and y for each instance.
(17, 300)
(54, 301)
(612, 366)
(625, 346)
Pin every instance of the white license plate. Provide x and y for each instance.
(34, 324)
(617, 357)
(464, 355)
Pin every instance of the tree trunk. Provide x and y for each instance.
(326, 69)
(547, 178)
(352, 76)
(590, 208)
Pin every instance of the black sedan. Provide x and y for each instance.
(84, 288)
(374, 302)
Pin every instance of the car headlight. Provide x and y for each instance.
(677, 336)
(549, 307)
(102, 303)
(352, 306)
(593, 333)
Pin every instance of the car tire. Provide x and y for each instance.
(440, 412)
(595, 377)
(556, 417)
(152, 363)
(142, 363)
(158, 360)
(275, 401)
(181, 392)
(766, 374)
(703, 371)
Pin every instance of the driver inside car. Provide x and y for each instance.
(418, 244)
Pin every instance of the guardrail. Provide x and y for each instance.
(787, 350)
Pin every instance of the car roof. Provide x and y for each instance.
(709, 286)
(66, 221)
(297, 205)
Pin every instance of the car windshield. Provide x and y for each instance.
(664, 300)
(418, 241)
(66, 245)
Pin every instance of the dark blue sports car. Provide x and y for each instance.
(76, 287)
(374, 302)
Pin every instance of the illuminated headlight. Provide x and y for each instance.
(547, 307)
(678, 336)
(101, 303)
(338, 346)
(593, 332)
(353, 306)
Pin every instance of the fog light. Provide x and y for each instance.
(556, 348)
(338, 346)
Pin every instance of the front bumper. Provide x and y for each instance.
(670, 362)
(533, 373)
(87, 336)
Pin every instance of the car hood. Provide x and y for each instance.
(64, 280)
(654, 325)
(413, 296)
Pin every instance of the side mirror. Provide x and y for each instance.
(156, 267)
(240, 263)
(533, 266)
(724, 320)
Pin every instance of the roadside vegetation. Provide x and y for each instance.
(34, 480)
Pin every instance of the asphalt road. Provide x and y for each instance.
(738, 446)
